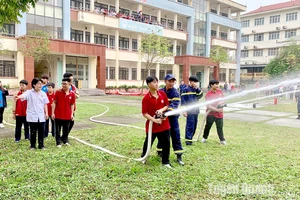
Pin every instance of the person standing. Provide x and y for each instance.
(50, 95)
(174, 102)
(44, 80)
(181, 86)
(155, 102)
(63, 111)
(191, 95)
(3, 103)
(19, 113)
(73, 88)
(297, 99)
(36, 112)
(215, 112)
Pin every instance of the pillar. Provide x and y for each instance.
(92, 6)
(139, 7)
(175, 72)
(229, 13)
(190, 2)
(227, 75)
(174, 47)
(238, 16)
(218, 31)
(207, 5)
(29, 68)
(218, 9)
(117, 5)
(83, 4)
(158, 15)
(139, 63)
(157, 67)
(66, 23)
(175, 22)
(92, 33)
(206, 75)
(216, 72)
(186, 72)
(190, 30)
(130, 43)
(21, 27)
(92, 67)
(117, 56)
(84, 36)
(64, 64)
(101, 75)
(228, 33)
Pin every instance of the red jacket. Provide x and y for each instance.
(21, 107)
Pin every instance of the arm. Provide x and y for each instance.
(46, 111)
(150, 118)
(14, 106)
(72, 112)
(199, 93)
(174, 102)
(53, 109)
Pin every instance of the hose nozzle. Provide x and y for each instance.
(222, 106)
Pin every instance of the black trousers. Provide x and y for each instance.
(37, 127)
(209, 122)
(1, 114)
(164, 140)
(64, 125)
(20, 120)
(53, 128)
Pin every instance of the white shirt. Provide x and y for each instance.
(35, 105)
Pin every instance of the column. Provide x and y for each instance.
(83, 36)
(29, 68)
(229, 13)
(227, 75)
(218, 9)
(175, 71)
(117, 57)
(92, 77)
(21, 27)
(130, 43)
(101, 67)
(92, 32)
(190, 30)
(207, 5)
(66, 23)
(139, 63)
(174, 47)
(157, 67)
(139, 7)
(206, 75)
(158, 15)
(238, 57)
(190, 2)
(175, 22)
(64, 64)
(228, 33)
(92, 6)
(83, 4)
(238, 16)
(108, 41)
(218, 32)
(20, 63)
(186, 72)
(117, 5)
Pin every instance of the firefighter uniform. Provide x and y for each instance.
(174, 102)
(191, 95)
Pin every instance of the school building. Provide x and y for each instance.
(98, 40)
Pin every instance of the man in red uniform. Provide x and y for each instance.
(63, 111)
(19, 113)
(50, 95)
(216, 113)
(156, 102)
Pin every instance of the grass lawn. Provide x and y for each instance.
(260, 161)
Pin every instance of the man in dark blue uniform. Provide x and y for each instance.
(182, 86)
(191, 95)
(174, 101)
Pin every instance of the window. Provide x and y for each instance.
(259, 37)
(272, 51)
(8, 30)
(213, 11)
(123, 73)
(224, 14)
(245, 23)
(134, 45)
(170, 24)
(87, 37)
(111, 41)
(222, 75)
(259, 21)
(170, 49)
(213, 33)
(106, 73)
(77, 4)
(163, 22)
(274, 19)
(257, 52)
(223, 36)
(153, 18)
(7, 68)
(291, 16)
(101, 39)
(112, 73)
(178, 50)
(290, 33)
(152, 72)
(124, 11)
(101, 5)
(179, 26)
(133, 74)
(77, 35)
(123, 43)
(245, 38)
(162, 74)
(274, 35)
(144, 73)
(245, 53)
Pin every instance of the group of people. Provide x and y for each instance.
(159, 101)
(36, 108)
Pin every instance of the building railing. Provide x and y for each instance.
(255, 75)
(224, 39)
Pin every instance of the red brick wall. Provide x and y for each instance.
(28, 69)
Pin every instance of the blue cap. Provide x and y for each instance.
(169, 77)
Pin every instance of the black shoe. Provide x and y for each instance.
(179, 160)
(189, 143)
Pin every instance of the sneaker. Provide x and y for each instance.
(189, 143)
(59, 146)
(67, 144)
(144, 161)
(17, 141)
(179, 160)
(32, 148)
(168, 166)
(223, 142)
(2, 125)
(203, 140)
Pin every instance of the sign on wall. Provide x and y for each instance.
(140, 27)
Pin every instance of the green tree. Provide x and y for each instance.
(219, 56)
(10, 10)
(286, 62)
(154, 49)
(36, 44)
